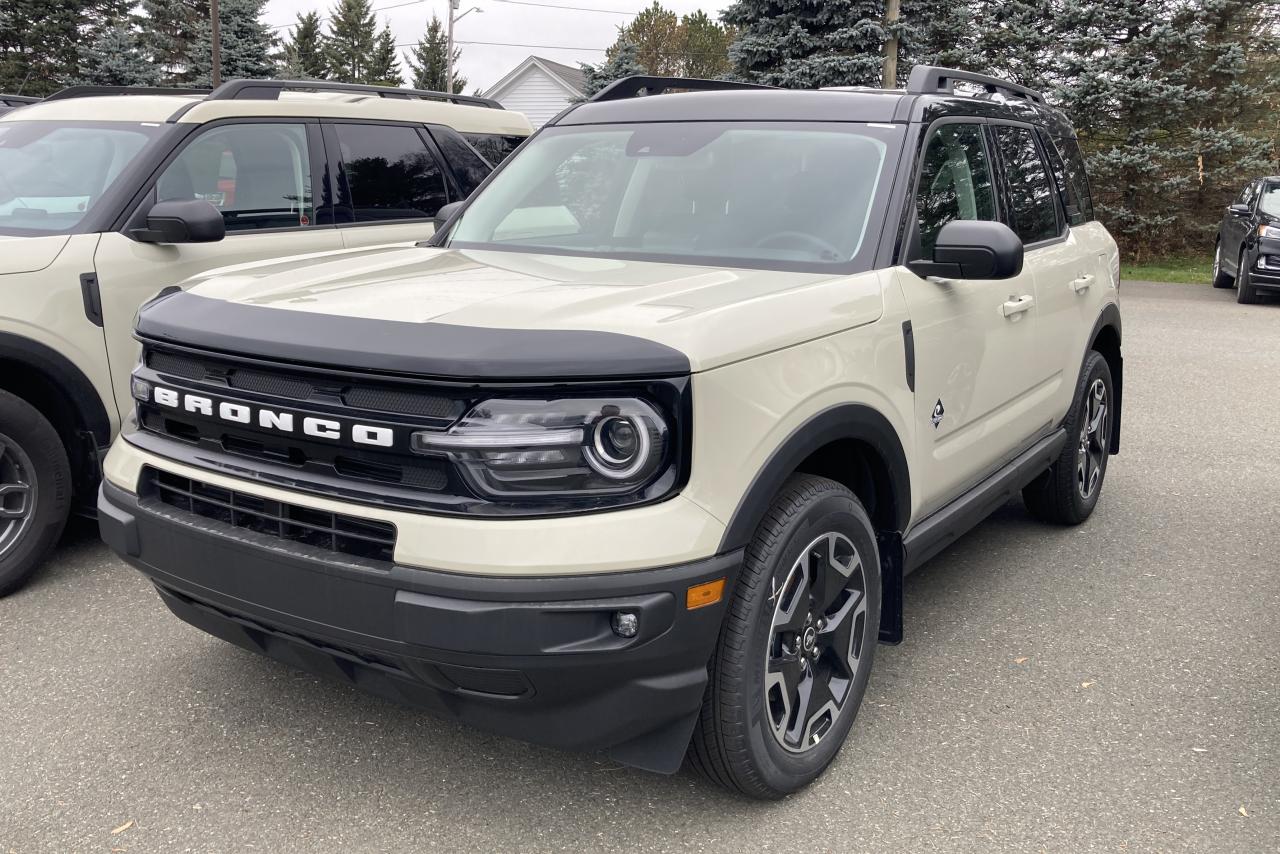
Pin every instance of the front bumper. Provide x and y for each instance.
(534, 658)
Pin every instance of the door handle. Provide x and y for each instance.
(1018, 305)
(1082, 284)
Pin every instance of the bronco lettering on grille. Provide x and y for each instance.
(272, 419)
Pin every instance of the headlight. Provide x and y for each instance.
(520, 449)
(1270, 231)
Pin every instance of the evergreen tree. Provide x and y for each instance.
(384, 64)
(937, 32)
(658, 39)
(427, 60)
(705, 46)
(353, 36)
(624, 62)
(245, 49)
(1020, 40)
(304, 52)
(115, 58)
(40, 41)
(169, 29)
(802, 44)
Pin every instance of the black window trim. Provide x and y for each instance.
(329, 128)
(1064, 228)
(135, 211)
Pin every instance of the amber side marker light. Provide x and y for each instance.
(704, 594)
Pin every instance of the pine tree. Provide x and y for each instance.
(115, 58)
(304, 52)
(624, 62)
(384, 64)
(427, 60)
(169, 29)
(245, 48)
(803, 44)
(938, 32)
(1021, 40)
(352, 38)
(705, 46)
(40, 41)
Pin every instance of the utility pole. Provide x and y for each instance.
(889, 80)
(448, 61)
(216, 26)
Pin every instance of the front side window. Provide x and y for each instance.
(53, 173)
(388, 174)
(257, 175)
(1032, 214)
(1269, 201)
(955, 182)
(781, 195)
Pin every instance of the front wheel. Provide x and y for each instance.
(1067, 493)
(795, 652)
(35, 490)
(1221, 279)
(1246, 293)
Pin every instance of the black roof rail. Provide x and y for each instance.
(639, 84)
(269, 90)
(932, 80)
(96, 91)
(16, 100)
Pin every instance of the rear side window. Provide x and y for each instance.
(955, 181)
(1077, 178)
(257, 175)
(389, 173)
(1066, 190)
(492, 146)
(1033, 213)
(469, 168)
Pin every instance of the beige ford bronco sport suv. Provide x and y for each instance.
(108, 195)
(633, 455)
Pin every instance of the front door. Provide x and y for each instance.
(260, 175)
(975, 385)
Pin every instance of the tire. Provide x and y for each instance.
(1067, 493)
(1221, 278)
(35, 490)
(1246, 293)
(741, 740)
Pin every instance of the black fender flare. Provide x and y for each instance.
(1110, 318)
(75, 388)
(845, 421)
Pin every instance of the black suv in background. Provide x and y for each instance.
(8, 103)
(1247, 253)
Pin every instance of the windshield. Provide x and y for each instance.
(773, 195)
(52, 173)
(1269, 203)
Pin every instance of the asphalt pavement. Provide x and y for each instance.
(1114, 687)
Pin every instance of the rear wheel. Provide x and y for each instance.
(1221, 279)
(795, 652)
(1246, 293)
(35, 490)
(1067, 493)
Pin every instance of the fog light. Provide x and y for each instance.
(141, 389)
(625, 624)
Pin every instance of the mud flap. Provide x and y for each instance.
(891, 571)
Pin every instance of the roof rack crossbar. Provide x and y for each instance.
(636, 85)
(96, 91)
(269, 90)
(17, 100)
(932, 80)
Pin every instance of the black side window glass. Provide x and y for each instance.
(1066, 190)
(955, 181)
(389, 173)
(1032, 213)
(1076, 176)
(493, 147)
(258, 176)
(469, 168)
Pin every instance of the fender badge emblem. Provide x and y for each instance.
(938, 412)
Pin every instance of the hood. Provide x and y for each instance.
(710, 315)
(29, 254)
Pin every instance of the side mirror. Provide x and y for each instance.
(447, 213)
(973, 249)
(192, 221)
(1240, 210)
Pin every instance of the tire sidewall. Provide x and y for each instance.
(783, 770)
(1095, 368)
(51, 475)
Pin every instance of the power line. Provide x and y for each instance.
(569, 8)
(376, 9)
(542, 46)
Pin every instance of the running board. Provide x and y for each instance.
(945, 526)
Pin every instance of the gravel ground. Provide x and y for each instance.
(1114, 687)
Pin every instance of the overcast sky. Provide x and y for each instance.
(568, 35)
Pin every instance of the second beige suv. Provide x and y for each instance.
(108, 196)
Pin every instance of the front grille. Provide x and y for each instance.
(335, 532)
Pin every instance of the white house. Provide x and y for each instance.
(539, 88)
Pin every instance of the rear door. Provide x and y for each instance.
(391, 180)
(974, 340)
(262, 175)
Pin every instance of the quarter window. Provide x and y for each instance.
(492, 146)
(389, 174)
(1032, 213)
(955, 182)
(1067, 191)
(257, 175)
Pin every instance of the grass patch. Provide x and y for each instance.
(1195, 270)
